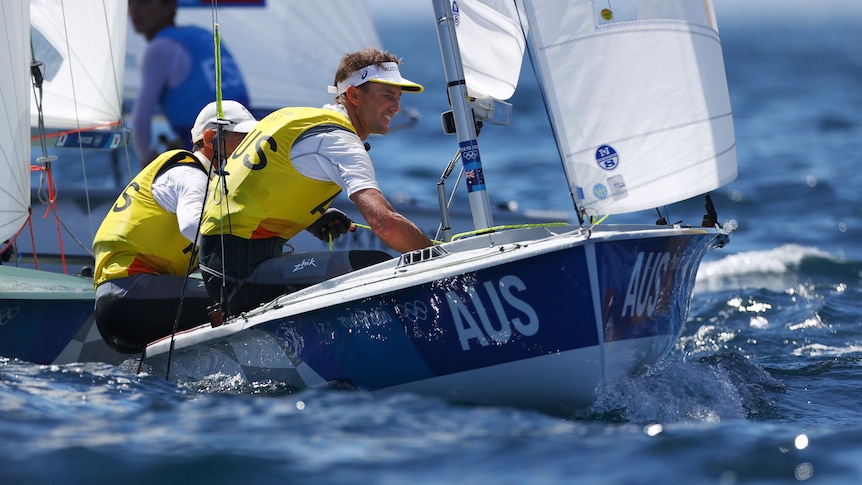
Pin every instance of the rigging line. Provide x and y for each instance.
(97, 126)
(219, 149)
(50, 201)
(37, 80)
(214, 11)
(452, 193)
(192, 257)
(217, 58)
(46, 182)
(530, 43)
(118, 89)
(77, 117)
(224, 209)
(508, 226)
(445, 176)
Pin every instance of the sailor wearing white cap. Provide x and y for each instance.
(145, 245)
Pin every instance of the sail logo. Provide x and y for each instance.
(618, 187)
(645, 284)
(495, 304)
(607, 158)
(600, 191)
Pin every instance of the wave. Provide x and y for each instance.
(785, 266)
(724, 386)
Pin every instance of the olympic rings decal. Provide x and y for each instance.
(414, 311)
(7, 314)
(469, 153)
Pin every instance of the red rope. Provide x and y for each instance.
(87, 128)
(13, 238)
(51, 207)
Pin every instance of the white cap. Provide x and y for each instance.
(237, 117)
(384, 73)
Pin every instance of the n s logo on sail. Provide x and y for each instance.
(645, 284)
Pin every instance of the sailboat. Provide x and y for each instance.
(536, 317)
(46, 316)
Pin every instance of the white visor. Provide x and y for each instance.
(384, 73)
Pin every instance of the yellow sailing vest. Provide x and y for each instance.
(139, 236)
(266, 196)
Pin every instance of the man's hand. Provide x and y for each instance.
(331, 225)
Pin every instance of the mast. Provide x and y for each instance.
(446, 15)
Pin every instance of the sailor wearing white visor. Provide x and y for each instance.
(384, 73)
(287, 172)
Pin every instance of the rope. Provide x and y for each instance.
(509, 226)
(78, 130)
(483, 231)
(219, 144)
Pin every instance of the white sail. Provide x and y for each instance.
(82, 44)
(638, 97)
(492, 47)
(15, 119)
(287, 50)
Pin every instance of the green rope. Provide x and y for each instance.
(482, 231)
(510, 226)
(597, 222)
(217, 41)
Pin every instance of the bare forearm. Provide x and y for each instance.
(395, 230)
(402, 235)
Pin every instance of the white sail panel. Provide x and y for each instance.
(639, 99)
(82, 44)
(492, 49)
(15, 118)
(287, 50)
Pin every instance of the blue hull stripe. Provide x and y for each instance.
(501, 314)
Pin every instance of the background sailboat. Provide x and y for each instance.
(80, 47)
(287, 50)
(291, 66)
(47, 317)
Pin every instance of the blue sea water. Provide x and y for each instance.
(762, 388)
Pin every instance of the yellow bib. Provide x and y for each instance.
(138, 235)
(266, 196)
